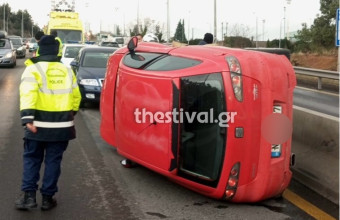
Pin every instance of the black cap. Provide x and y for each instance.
(48, 45)
(209, 38)
(38, 35)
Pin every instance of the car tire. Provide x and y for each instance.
(14, 64)
(82, 104)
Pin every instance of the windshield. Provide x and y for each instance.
(16, 41)
(202, 143)
(120, 40)
(4, 44)
(96, 59)
(69, 35)
(72, 52)
(110, 44)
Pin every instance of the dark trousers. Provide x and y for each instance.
(35, 152)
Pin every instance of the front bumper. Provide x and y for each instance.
(7, 61)
(90, 93)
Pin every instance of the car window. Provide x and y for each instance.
(4, 44)
(16, 41)
(33, 40)
(110, 44)
(71, 52)
(145, 58)
(172, 63)
(120, 40)
(96, 59)
(158, 62)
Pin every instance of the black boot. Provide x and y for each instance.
(27, 201)
(48, 202)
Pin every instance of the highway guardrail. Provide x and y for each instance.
(317, 73)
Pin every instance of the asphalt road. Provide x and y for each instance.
(324, 102)
(93, 185)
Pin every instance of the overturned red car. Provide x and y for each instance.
(194, 114)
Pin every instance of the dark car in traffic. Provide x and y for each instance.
(90, 67)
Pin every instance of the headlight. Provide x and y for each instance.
(8, 55)
(89, 82)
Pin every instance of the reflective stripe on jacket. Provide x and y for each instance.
(49, 97)
(60, 52)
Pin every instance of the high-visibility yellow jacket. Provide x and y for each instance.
(49, 98)
(60, 52)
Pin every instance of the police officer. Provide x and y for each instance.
(37, 37)
(49, 99)
(60, 52)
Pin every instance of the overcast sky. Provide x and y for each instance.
(267, 15)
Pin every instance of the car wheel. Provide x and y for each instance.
(82, 104)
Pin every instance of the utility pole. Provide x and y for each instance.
(138, 17)
(263, 21)
(189, 29)
(215, 22)
(284, 22)
(222, 33)
(256, 34)
(280, 33)
(167, 23)
(287, 31)
(22, 24)
(4, 21)
(192, 33)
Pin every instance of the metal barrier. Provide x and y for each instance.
(317, 73)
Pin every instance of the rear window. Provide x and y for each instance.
(16, 41)
(158, 62)
(71, 52)
(109, 44)
(96, 59)
(120, 40)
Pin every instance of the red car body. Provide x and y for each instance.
(235, 162)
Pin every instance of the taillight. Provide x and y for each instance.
(236, 76)
(232, 181)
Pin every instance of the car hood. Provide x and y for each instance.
(4, 51)
(91, 73)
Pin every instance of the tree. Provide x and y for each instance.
(321, 33)
(138, 30)
(13, 21)
(180, 33)
(237, 42)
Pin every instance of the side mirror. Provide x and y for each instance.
(74, 63)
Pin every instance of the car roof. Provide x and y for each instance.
(85, 49)
(13, 36)
(74, 45)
